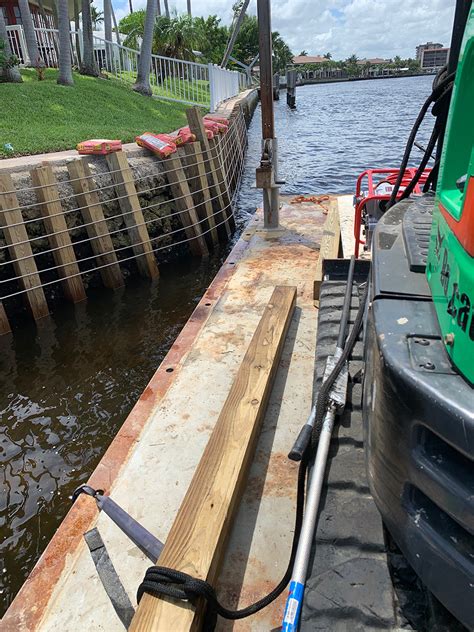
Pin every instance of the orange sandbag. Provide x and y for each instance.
(221, 120)
(185, 135)
(160, 144)
(98, 146)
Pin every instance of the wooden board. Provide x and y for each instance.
(16, 237)
(185, 204)
(213, 169)
(47, 193)
(133, 216)
(197, 180)
(91, 210)
(4, 324)
(197, 539)
(330, 246)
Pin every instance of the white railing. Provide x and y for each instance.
(223, 84)
(16, 38)
(172, 79)
(48, 45)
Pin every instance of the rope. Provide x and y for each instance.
(162, 581)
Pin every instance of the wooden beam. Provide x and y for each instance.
(197, 539)
(133, 216)
(222, 178)
(329, 247)
(16, 237)
(91, 210)
(47, 193)
(4, 324)
(218, 189)
(185, 204)
(197, 180)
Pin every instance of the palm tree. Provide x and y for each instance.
(11, 73)
(189, 7)
(76, 28)
(304, 53)
(30, 34)
(327, 56)
(65, 66)
(175, 37)
(108, 33)
(158, 8)
(167, 9)
(130, 6)
(116, 28)
(88, 65)
(142, 84)
(97, 16)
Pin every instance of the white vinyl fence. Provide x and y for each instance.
(172, 79)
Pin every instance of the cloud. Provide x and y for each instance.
(368, 28)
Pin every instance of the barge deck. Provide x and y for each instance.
(149, 465)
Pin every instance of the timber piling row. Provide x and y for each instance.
(86, 221)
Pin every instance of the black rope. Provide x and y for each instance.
(162, 581)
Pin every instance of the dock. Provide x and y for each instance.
(149, 465)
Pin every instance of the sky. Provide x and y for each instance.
(368, 28)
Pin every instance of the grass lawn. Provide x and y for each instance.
(41, 116)
(197, 91)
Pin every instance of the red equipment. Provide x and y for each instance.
(160, 144)
(370, 203)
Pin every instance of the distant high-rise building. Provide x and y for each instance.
(434, 58)
(428, 46)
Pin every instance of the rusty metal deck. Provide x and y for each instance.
(150, 463)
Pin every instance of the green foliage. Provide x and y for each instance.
(133, 25)
(304, 53)
(175, 37)
(7, 61)
(212, 38)
(97, 17)
(40, 117)
(282, 55)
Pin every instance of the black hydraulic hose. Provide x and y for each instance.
(346, 306)
(323, 395)
(161, 580)
(436, 93)
(304, 437)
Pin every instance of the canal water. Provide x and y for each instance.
(65, 389)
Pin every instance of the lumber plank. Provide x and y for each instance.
(96, 226)
(330, 246)
(47, 194)
(133, 216)
(218, 190)
(16, 237)
(197, 179)
(185, 205)
(197, 538)
(4, 324)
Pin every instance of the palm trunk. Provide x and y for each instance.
(65, 66)
(30, 34)
(88, 65)
(158, 8)
(167, 9)
(108, 33)
(116, 28)
(189, 7)
(76, 28)
(142, 84)
(130, 5)
(11, 75)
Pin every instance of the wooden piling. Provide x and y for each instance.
(47, 194)
(19, 247)
(216, 179)
(198, 184)
(133, 216)
(96, 226)
(185, 205)
(4, 324)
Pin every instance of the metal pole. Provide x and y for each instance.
(268, 165)
(300, 568)
(235, 32)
